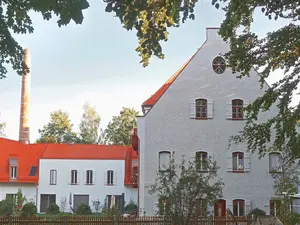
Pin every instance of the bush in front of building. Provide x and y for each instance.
(29, 209)
(53, 209)
(257, 212)
(6, 207)
(83, 209)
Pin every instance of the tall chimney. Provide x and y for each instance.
(24, 132)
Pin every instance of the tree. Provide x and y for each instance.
(89, 125)
(119, 130)
(286, 181)
(183, 192)
(277, 50)
(58, 130)
(16, 19)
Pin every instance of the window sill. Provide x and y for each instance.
(202, 171)
(89, 184)
(238, 119)
(201, 118)
(238, 171)
(274, 172)
(74, 184)
(52, 184)
(110, 185)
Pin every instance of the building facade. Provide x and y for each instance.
(83, 174)
(194, 114)
(68, 175)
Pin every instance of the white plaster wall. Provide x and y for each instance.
(97, 191)
(141, 154)
(168, 126)
(28, 190)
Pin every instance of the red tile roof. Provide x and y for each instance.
(154, 98)
(83, 151)
(26, 155)
(29, 155)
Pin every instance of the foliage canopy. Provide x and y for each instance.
(185, 192)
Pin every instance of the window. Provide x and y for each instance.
(275, 205)
(237, 109)
(53, 177)
(238, 161)
(13, 172)
(219, 65)
(33, 171)
(46, 201)
(113, 201)
(110, 177)
(11, 197)
(274, 162)
(239, 207)
(201, 161)
(201, 109)
(89, 177)
(201, 207)
(74, 177)
(164, 160)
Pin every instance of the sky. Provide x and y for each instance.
(96, 62)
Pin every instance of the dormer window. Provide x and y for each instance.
(13, 168)
(13, 172)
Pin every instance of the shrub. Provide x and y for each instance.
(6, 207)
(53, 209)
(83, 209)
(257, 212)
(29, 209)
(131, 207)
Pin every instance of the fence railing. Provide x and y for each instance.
(93, 220)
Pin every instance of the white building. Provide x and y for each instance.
(68, 174)
(78, 174)
(195, 112)
(19, 169)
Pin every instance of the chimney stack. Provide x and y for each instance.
(25, 101)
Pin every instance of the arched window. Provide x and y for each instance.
(238, 161)
(53, 177)
(201, 161)
(239, 207)
(201, 108)
(237, 109)
(164, 160)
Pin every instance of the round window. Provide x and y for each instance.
(219, 65)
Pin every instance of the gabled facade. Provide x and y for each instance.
(194, 114)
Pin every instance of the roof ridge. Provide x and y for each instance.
(156, 96)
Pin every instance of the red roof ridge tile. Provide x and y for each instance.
(156, 96)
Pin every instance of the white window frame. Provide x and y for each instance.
(271, 168)
(202, 153)
(160, 165)
(110, 177)
(13, 174)
(238, 206)
(89, 177)
(53, 177)
(74, 177)
(240, 167)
